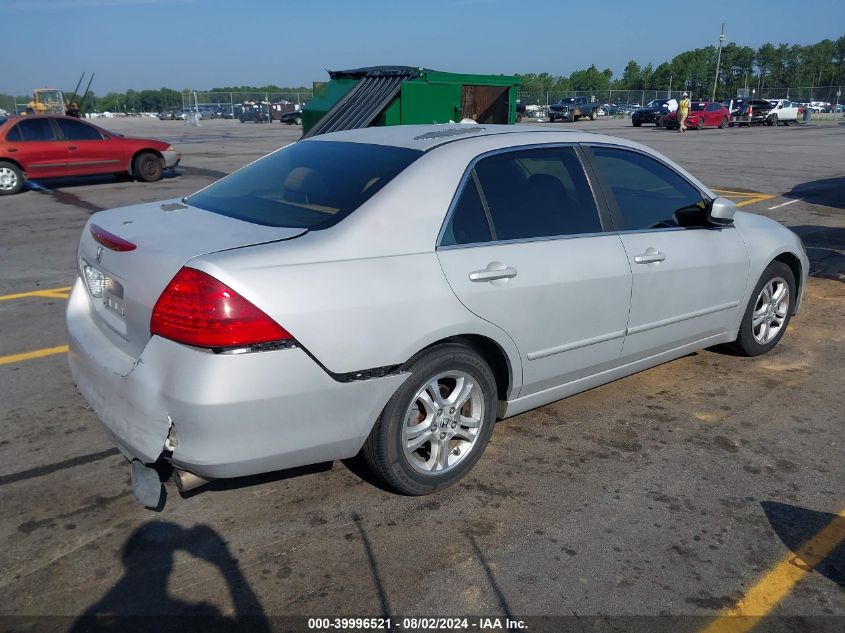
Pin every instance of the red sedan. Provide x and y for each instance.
(701, 114)
(46, 146)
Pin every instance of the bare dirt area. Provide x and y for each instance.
(670, 493)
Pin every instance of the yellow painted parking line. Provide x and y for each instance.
(747, 197)
(779, 581)
(49, 293)
(738, 193)
(759, 198)
(39, 353)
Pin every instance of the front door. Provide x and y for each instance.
(689, 277)
(525, 248)
(88, 151)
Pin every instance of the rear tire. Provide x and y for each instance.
(768, 311)
(12, 179)
(724, 123)
(449, 440)
(636, 123)
(147, 167)
(772, 120)
(593, 115)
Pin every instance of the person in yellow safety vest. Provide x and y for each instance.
(683, 111)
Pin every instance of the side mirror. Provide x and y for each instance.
(721, 211)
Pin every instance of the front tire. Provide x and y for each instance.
(147, 167)
(768, 311)
(436, 426)
(12, 179)
(772, 120)
(700, 124)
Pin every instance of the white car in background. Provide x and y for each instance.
(783, 111)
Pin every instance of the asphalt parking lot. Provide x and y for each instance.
(708, 485)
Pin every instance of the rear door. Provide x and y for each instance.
(88, 150)
(525, 248)
(688, 276)
(33, 143)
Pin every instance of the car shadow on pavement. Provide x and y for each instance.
(236, 483)
(795, 526)
(825, 247)
(140, 601)
(829, 192)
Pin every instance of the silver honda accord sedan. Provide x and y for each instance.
(392, 292)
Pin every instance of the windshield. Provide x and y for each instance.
(310, 184)
(569, 100)
(698, 107)
(657, 103)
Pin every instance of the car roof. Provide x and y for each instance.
(427, 137)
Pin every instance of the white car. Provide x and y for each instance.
(783, 111)
(393, 291)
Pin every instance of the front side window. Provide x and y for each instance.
(78, 131)
(33, 129)
(310, 184)
(648, 194)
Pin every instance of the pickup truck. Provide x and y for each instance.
(572, 109)
(783, 111)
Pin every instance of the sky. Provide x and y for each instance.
(201, 44)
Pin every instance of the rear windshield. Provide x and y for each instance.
(312, 184)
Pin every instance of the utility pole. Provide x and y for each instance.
(718, 61)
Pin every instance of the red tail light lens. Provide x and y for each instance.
(196, 309)
(110, 240)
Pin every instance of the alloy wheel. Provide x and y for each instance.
(443, 422)
(770, 310)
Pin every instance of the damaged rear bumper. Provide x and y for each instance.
(221, 415)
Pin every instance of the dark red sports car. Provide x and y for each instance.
(701, 114)
(46, 146)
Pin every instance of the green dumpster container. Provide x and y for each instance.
(403, 95)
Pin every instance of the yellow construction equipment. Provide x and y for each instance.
(46, 101)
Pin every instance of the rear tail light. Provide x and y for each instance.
(197, 309)
(110, 240)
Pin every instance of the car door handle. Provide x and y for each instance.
(493, 272)
(651, 256)
(11, 149)
(71, 147)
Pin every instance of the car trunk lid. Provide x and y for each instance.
(165, 236)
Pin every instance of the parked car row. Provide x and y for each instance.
(739, 111)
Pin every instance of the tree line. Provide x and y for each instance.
(767, 69)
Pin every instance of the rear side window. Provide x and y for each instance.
(310, 184)
(468, 224)
(528, 194)
(33, 129)
(78, 131)
(648, 194)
